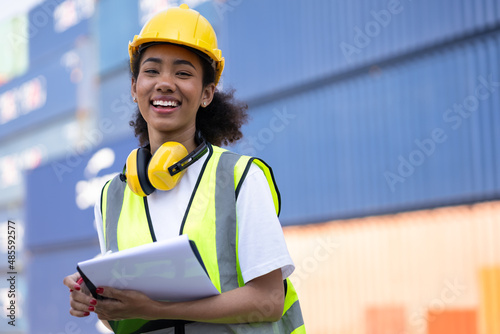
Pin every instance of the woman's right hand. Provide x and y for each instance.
(81, 301)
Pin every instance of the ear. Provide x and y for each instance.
(133, 88)
(208, 94)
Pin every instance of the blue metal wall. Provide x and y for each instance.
(386, 141)
(387, 106)
(294, 42)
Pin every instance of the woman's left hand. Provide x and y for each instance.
(122, 304)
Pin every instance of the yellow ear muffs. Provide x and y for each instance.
(136, 172)
(145, 173)
(158, 169)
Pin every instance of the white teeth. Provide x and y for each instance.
(165, 103)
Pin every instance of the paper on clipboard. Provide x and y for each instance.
(166, 270)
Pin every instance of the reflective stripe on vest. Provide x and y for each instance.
(211, 222)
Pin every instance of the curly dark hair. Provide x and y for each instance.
(219, 122)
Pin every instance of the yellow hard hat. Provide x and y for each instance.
(183, 26)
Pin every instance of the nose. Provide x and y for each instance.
(166, 83)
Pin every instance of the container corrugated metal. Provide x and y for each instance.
(297, 41)
(422, 272)
(116, 23)
(414, 134)
(116, 105)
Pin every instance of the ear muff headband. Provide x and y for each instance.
(135, 172)
(132, 175)
(143, 158)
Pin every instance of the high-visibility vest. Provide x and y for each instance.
(210, 221)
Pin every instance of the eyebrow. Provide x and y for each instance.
(176, 62)
(152, 59)
(184, 62)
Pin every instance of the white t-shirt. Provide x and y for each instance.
(261, 244)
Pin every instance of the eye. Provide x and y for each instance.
(151, 71)
(184, 74)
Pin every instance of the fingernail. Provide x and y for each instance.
(91, 308)
(86, 314)
(80, 281)
(76, 287)
(99, 291)
(70, 290)
(93, 302)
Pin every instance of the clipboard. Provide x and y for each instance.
(168, 270)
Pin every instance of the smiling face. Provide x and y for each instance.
(169, 90)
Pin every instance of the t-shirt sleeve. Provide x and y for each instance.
(98, 226)
(261, 243)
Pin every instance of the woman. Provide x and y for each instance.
(225, 202)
